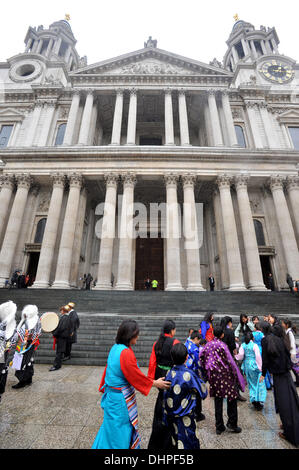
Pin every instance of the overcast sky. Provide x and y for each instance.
(192, 28)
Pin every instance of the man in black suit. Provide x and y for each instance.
(211, 282)
(75, 323)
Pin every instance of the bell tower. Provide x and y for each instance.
(247, 44)
(57, 43)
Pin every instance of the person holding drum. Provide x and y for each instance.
(8, 339)
(61, 336)
(29, 331)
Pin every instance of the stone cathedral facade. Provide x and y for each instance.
(153, 127)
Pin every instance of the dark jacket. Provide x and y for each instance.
(62, 333)
(75, 323)
(278, 362)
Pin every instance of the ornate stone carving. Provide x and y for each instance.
(58, 179)
(151, 42)
(24, 180)
(276, 182)
(237, 113)
(241, 181)
(292, 182)
(75, 180)
(7, 181)
(224, 181)
(152, 67)
(255, 205)
(129, 179)
(111, 179)
(189, 179)
(171, 179)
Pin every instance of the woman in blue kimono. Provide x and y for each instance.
(258, 335)
(179, 402)
(121, 376)
(252, 367)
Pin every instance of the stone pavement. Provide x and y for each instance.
(61, 410)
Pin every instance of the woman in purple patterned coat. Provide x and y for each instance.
(224, 378)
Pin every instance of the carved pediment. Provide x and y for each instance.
(151, 62)
(289, 116)
(11, 114)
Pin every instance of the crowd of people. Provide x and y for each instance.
(18, 343)
(260, 353)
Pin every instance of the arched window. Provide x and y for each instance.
(60, 134)
(259, 232)
(40, 229)
(240, 136)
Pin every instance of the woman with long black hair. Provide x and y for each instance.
(206, 327)
(276, 358)
(160, 363)
(245, 326)
(121, 376)
(290, 330)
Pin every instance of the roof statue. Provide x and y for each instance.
(236, 17)
(150, 42)
(67, 17)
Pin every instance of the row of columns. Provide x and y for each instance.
(23, 182)
(168, 116)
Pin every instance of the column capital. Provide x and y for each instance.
(189, 179)
(129, 179)
(111, 179)
(212, 91)
(75, 180)
(7, 181)
(224, 181)
(58, 179)
(76, 92)
(171, 179)
(133, 91)
(24, 180)
(168, 91)
(182, 92)
(292, 182)
(276, 182)
(119, 92)
(241, 181)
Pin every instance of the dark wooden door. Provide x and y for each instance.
(149, 262)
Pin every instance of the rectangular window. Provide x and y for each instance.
(240, 136)
(294, 133)
(5, 133)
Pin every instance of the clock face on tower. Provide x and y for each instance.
(277, 71)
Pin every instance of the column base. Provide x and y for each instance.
(196, 288)
(61, 285)
(174, 287)
(237, 287)
(102, 287)
(124, 287)
(40, 285)
(258, 287)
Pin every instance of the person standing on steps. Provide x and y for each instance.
(75, 323)
(61, 336)
(224, 378)
(154, 284)
(212, 282)
(160, 363)
(88, 281)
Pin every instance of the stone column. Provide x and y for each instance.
(269, 130)
(44, 134)
(235, 55)
(168, 110)
(117, 119)
(132, 118)
(287, 234)
(255, 276)
(72, 119)
(173, 234)
(222, 255)
(293, 192)
(28, 45)
(253, 48)
(74, 273)
(108, 233)
(64, 260)
(192, 242)
(57, 46)
(86, 119)
(7, 184)
(13, 228)
(50, 235)
(50, 46)
(33, 124)
(229, 120)
(215, 121)
(251, 107)
(183, 118)
(124, 281)
(230, 233)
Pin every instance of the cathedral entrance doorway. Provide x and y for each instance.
(267, 270)
(32, 266)
(149, 262)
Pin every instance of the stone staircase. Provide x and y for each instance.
(101, 313)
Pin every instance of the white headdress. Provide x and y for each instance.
(7, 318)
(30, 315)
